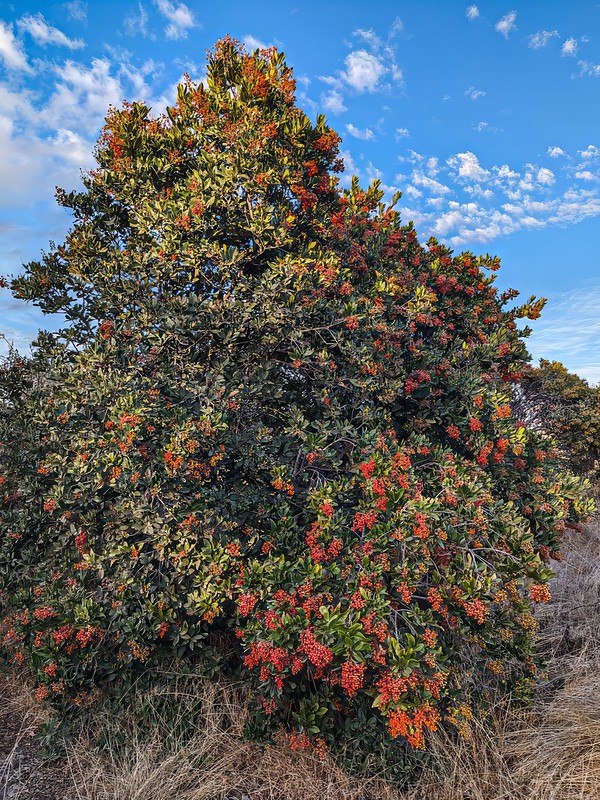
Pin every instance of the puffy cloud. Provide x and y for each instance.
(472, 12)
(476, 190)
(252, 43)
(541, 39)
(429, 184)
(11, 50)
(432, 166)
(360, 133)
(180, 18)
(412, 191)
(467, 167)
(569, 47)
(507, 23)
(82, 95)
(363, 71)
(43, 34)
(333, 101)
(481, 126)
(527, 182)
(524, 200)
(555, 152)
(33, 164)
(402, 133)
(505, 174)
(545, 177)
(591, 151)
(369, 68)
(474, 93)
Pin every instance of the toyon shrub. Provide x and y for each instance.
(274, 435)
(564, 406)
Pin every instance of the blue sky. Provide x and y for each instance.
(486, 116)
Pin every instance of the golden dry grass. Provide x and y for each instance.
(213, 764)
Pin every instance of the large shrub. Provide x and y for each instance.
(562, 405)
(274, 430)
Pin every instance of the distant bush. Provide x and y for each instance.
(564, 406)
(275, 432)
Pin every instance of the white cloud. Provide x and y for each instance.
(360, 133)
(474, 93)
(467, 167)
(569, 47)
(363, 71)
(11, 50)
(397, 27)
(527, 182)
(501, 201)
(137, 23)
(541, 39)
(504, 174)
(507, 23)
(429, 184)
(593, 70)
(76, 10)
(432, 166)
(32, 165)
(369, 37)
(436, 202)
(402, 133)
(413, 192)
(476, 190)
(42, 33)
(370, 68)
(472, 12)
(252, 43)
(373, 173)
(555, 152)
(180, 18)
(545, 177)
(82, 95)
(333, 101)
(73, 147)
(481, 126)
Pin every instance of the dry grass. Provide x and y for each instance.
(551, 752)
(213, 764)
(24, 774)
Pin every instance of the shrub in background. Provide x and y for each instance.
(563, 405)
(274, 428)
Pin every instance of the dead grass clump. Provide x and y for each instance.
(24, 773)
(558, 758)
(213, 763)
